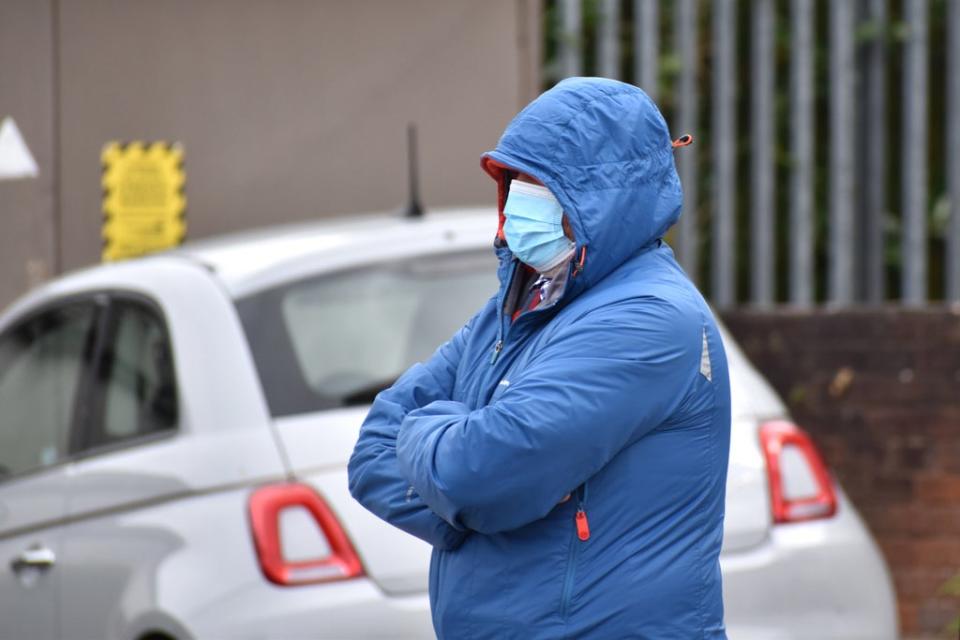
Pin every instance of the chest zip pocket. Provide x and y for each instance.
(583, 525)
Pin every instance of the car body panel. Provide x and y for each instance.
(318, 446)
(32, 509)
(187, 567)
(28, 597)
(172, 467)
(397, 562)
(747, 518)
(750, 394)
(811, 580)
(33, 500)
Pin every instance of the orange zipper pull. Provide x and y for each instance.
(583, 527)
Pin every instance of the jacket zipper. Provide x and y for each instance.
(583, 525)
(501, 334)
(497, 348)
(582, 534)
(498, 345)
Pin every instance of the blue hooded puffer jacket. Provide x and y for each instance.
(616, 395)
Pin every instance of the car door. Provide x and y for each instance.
(109, 564)
(43, 358)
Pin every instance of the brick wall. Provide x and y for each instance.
(880, 393)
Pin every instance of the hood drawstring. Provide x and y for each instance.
(578, 265)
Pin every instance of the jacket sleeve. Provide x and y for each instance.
(598, 385)
(374, 475)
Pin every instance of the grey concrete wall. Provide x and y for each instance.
(287, 110)
(27, 251)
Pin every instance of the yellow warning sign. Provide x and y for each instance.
(143, 198)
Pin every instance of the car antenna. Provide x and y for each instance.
(413, 209)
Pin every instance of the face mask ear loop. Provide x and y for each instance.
(578, 265)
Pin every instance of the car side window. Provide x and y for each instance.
(41, 363)
(135, 383)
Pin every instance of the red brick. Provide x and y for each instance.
(919, 583)
(900, 552)
(939, 553)
(908, 615)
(938, 488)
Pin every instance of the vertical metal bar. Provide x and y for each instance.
(953, 151)
(875, 154)
(646, 44)
(761, 175)
(724, 125)
(840, 271)
(860, 131)
(608, 39)
(571, 41)
(801, 146)
(914, 248)
(686, 39)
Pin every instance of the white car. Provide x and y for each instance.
(174, 433)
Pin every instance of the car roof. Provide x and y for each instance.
(250, 260)
(246, 261)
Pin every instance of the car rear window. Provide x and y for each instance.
(337, 339)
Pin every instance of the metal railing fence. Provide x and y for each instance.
(821, 174)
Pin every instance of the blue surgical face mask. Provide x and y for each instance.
(534, 226)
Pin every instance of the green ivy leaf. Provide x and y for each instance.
(951, 587)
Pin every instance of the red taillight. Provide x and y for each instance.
(266, 505)
(776, 439)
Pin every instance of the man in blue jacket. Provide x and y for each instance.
(565, 452)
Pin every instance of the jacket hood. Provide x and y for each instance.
(603, 149)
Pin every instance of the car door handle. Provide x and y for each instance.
(36, 556)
